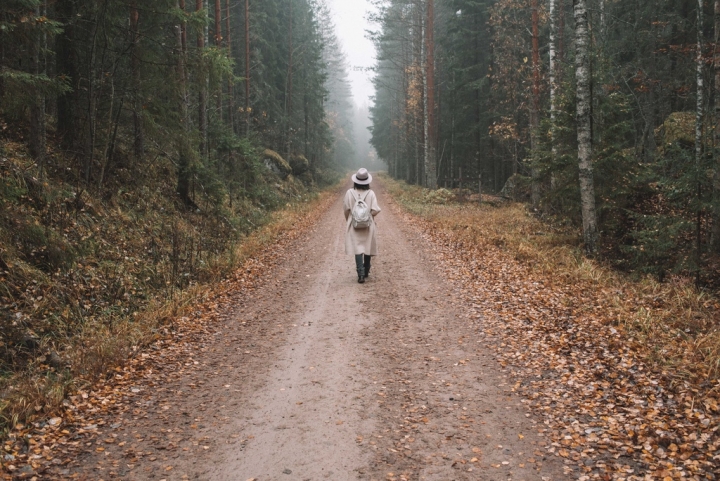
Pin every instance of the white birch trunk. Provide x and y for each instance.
(582, 75)
(699, 117)
(700, 88)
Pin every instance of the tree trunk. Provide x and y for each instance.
(89, 147)
(699, 117)
(716, 179)
(231, 99)
(183, 172)
(404, 108)
(37, 109)
(66, 65)
(478, 105)
(289, 84)
(218, 44)
(582, 75)
(699, 87)
(422, 65)
(138, 134)
(419, 113)
(430, 127)
(553, 88)
(247, 68)
(183, 46)
(218, 23)
(206, 29)
(535, 104)
(105, 161)
(202, 94)
(561, 36)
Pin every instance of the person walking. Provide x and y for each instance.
(360, 207)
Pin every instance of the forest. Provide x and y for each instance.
(177, 301)
(602, 115)
(139, 143)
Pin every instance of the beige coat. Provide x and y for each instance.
(360, 241)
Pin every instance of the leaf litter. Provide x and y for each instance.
(607, 410)
(47, 448)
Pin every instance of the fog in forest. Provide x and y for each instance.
(352, 94)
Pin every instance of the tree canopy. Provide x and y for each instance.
(602, 115)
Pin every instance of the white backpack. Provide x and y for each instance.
(361, 215)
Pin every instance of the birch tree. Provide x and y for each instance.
(552, 74)
(584, 136)
(699, 118)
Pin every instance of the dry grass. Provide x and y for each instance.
(102, 345)
(674, 326)
(137, 263)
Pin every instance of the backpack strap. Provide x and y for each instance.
(357, 197)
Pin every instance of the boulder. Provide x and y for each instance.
(274, 162)
(678, 127)
(299, 164)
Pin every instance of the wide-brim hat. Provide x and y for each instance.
(362, 177)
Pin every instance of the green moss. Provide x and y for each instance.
(11, 190)
(273, 159)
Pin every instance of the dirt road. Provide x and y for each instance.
(319, 377)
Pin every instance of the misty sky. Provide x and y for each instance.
(350, 23)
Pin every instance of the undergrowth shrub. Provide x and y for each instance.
(675, 324)
(90, 275)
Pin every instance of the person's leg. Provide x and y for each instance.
(360, 265)
(367, 265)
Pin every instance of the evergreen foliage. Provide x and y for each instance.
(656, 196)
(168, 78)
(133, 151)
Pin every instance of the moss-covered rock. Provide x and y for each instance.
(678, 127)
(276, 163)
(517, 188)
(299, 164)
(439, 196)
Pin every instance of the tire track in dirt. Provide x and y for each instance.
(305, 420)
(314, 377)
(444, 406)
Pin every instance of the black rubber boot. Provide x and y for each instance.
(367, 266)
(360, 268)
